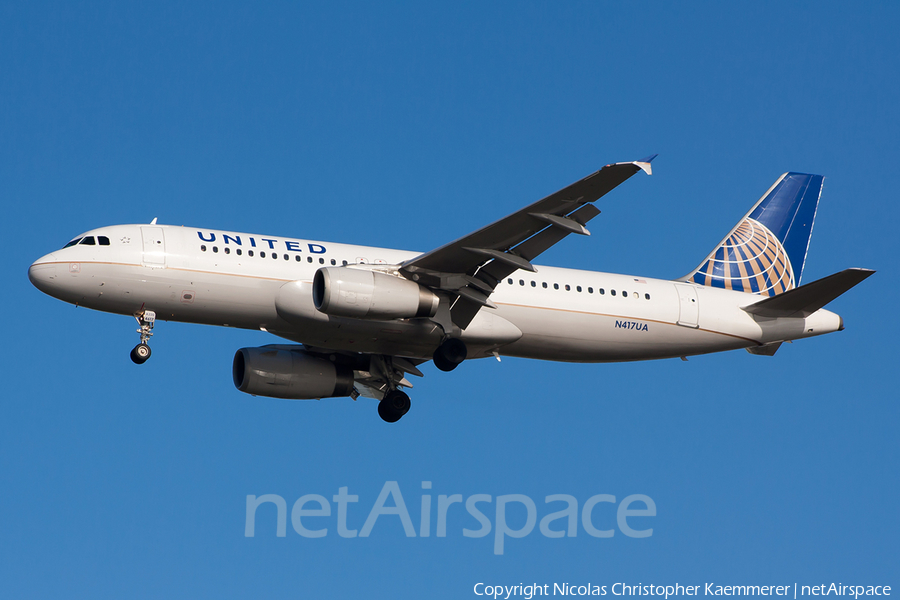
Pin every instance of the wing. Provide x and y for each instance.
(469, 269)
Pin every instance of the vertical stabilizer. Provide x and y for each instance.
(765, 252)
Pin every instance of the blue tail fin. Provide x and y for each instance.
(765, 252)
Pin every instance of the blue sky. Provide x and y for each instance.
(406, 126)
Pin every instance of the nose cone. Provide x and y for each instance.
(42, 273)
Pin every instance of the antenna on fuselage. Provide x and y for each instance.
(153, 222)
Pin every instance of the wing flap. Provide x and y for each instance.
(537, 244)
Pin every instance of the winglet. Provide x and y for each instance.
(644, 164)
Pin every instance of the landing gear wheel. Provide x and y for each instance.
(140, 354)
(450, 354)
(395, 405)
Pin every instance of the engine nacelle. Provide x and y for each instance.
(366, 294)
(292, 374)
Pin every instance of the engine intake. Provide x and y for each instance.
(366, 294)
(288, 373)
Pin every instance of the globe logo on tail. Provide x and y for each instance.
(751, 260)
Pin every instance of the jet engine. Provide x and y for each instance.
(366, 294)
(279, 372)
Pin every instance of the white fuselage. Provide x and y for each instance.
(264, 282)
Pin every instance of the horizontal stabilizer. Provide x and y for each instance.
(807, 299)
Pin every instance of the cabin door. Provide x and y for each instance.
(154, 247)
(689, 308)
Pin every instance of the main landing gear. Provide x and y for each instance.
(450, 354)
(141, 352)
(447, 357)
(394, 405)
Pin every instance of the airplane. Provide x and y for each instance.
(362, 318)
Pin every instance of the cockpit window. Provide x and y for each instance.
(87, 241)
(103, 240)
(73, 242)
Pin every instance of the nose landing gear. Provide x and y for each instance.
(141, 352)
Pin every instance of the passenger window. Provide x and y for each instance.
(544, 285)
(275, 256)
(286, 257)
(601, 291)
(72, 243)
(624, 294)
(215, 248)
(636, 295)
(555, 286)
(333, 262)
(578, 288)
(104, 241)
(88, 241)
(533, 283)
(309, 259)
(344, 262)
(227, 250)
(321, 261)
(590, 290)
(568, 288)
(613, 292)
(647, 296)
(238, 251)
(521, 282)
(249, 252)
(509, 281)
(262, 254)
(203, 247)
(297, 257)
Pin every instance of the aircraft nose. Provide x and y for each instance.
(42, 272)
